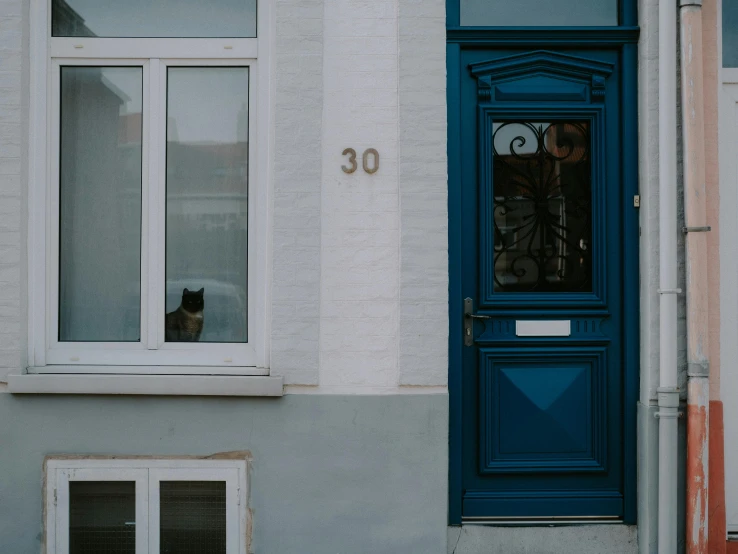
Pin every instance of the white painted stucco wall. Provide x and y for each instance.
(359, 287)
(371, 249)
(12, 201)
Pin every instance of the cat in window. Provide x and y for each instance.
(185, 323)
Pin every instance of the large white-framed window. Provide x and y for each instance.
(146, 506)
(148, 187)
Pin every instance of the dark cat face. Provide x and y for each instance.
(193, 301)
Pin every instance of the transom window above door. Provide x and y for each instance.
(150, 212)
(538, 13)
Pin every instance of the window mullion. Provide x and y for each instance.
(154, 278)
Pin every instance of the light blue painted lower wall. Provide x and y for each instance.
(330, 474)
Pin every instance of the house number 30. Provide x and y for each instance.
(351, 153)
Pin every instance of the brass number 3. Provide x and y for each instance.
(352, 159)
(351, 153)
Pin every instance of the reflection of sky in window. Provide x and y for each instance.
(509, 134)
(207, 104)
(536, 13)
(168, 18)
(125, 82)
(730, 34)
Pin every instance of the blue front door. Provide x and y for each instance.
(545, 252)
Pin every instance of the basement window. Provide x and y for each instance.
(146, 506)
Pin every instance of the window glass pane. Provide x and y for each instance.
(100, 204)
(207, 204)
(192, 517)
(542, 181)
(159, 18)
(730, 34)
(102, 517)
(538, 13)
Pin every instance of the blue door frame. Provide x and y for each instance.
(621, 40)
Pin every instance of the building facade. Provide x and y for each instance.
(342, 276)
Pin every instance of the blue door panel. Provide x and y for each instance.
(541, 417)
(543, 409)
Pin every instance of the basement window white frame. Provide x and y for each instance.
(153, 352)
(147, 502)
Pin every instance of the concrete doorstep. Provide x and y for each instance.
(573, 539)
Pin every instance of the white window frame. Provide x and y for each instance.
(152, 355)
(147, 474)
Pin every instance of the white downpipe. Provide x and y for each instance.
(668, 395)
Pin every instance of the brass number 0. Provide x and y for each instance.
(365, 160)
(351, 153)
(352, 159)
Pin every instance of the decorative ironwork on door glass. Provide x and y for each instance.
(542, 186)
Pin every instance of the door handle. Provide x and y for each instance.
(469, 317)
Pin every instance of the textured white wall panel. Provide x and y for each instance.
(423, 194)
(12, 155)
(297, 184)
(360, 212)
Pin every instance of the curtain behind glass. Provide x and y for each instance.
(100, 204)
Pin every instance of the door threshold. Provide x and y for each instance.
(542, 521)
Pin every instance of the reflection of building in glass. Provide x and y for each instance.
(67, 22)
(100, 178)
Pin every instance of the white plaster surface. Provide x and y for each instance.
(728, 129)
(12, 151)
(298, 107)
(359, 211)
(359, 267)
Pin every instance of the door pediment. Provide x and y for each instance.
(541, 76)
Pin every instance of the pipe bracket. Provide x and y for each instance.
(704, 229)
(698, 369)
(668, 397)
(669, 415)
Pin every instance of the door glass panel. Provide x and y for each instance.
(160, 18)
(542, 183)
(207, 204)
(100, 204)
(730, 34)
(192, 517)
(538, 13)
(102, 517)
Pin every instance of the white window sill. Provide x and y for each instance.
(169, 385)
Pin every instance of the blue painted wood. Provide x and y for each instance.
(499, 476)
(576, 37)
(591, 323)
(543, 409)
(631, 296)
(455, 346)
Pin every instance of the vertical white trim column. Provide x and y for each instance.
(668, 394)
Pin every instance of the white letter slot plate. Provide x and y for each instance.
(538, 328)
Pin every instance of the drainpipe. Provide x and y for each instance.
(668, 394)
(695, 227)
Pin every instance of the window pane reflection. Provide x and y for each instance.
(730, 34)
(542, 182)
(207, 204)
(538, 13)
(100, 204)
(162, 18)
